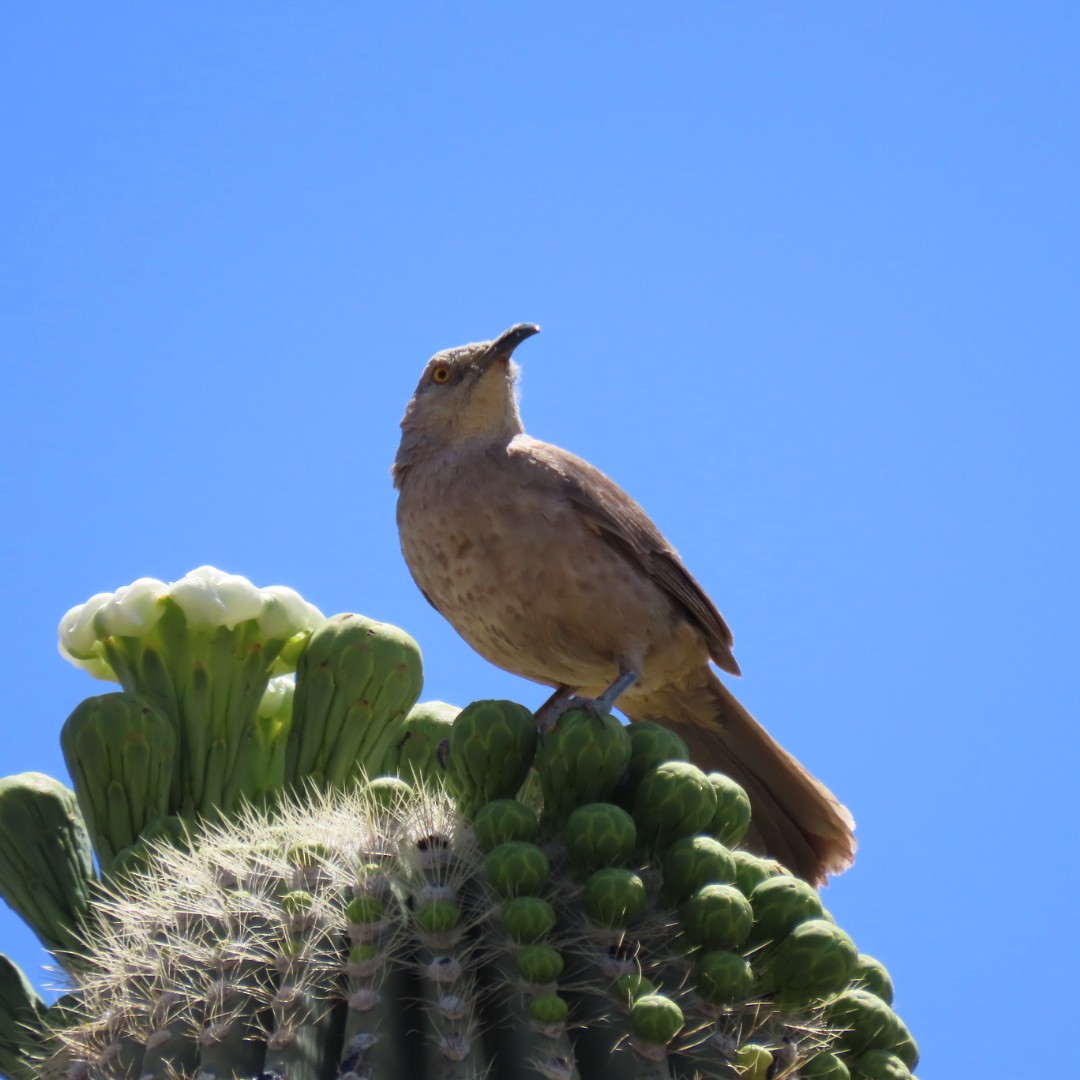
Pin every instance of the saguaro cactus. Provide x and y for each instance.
(456, 920)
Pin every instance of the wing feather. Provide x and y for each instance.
(620, 521)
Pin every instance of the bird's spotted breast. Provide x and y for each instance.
(500, 570)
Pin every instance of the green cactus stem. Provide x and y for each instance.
(46, 865)
(120, 751)
(21, 1013)
(355, 682)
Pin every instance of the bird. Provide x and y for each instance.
(549, 570)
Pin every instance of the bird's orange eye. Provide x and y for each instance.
(441, 375)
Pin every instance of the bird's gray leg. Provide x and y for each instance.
(564, 699)
(554, 707)
(607, 699)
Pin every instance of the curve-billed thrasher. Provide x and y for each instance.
(549, 570)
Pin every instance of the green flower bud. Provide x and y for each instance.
(717, 917)
(504, 819)
(309, 855)
(492, 744)
(548, 1009)
(731, 820)
(614, 896)
(633, 986)
(362, 954)
(905, 1047)
(815, 959)
(516, 868)
(780, 904)
(656, 1019)
(673, 800)
(527, 919)
(753, 1062)
(824, 1066)
(751, 871)
(414, 754)
(724, 978)
(864, 1022)
(365, 909)
(580, 761)
(694, 861)
(599, 834)
(539, 963)
(438, 916)
(136, 857)
(652, 744)
(296, 902)
(389, 792)
(879, 1065)
(872, 975)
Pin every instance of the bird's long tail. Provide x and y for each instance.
(795, 818)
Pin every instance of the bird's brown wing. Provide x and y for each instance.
(620, 521)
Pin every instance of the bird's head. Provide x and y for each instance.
(464, 394)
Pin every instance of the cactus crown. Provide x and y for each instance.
(330, 882)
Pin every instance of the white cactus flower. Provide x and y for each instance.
(277, 696)
(78, 638)
(285, 612)
(210, 598)
(133, 610)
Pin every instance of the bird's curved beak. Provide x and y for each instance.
(503, 346)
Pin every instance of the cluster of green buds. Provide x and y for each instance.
(383, 889)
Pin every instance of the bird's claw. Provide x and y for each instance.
(563, 701)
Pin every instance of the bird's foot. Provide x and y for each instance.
(564, 699)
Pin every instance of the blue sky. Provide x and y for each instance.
(808, 282)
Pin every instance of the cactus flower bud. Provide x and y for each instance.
(673, 800)
(723, 978)
(656, 1019)
(438, 916)
(492, 744)
(865, 1022)
(753, 1062)
(414, 755)
(717, 917)
(781, 903)
(599, 834)
(652, 744)
(527, 919)
(731, 819)
(815, 959)
(548, 1009)
(516, 868)
(879, 1065)
(504, 819)
(824, 1066)
(751, 871)
(539, 964)
(872, 975)
(614, 897)
(580, 760)
(694, 861)
(633, 986)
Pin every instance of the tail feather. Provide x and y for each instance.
(795, 818)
